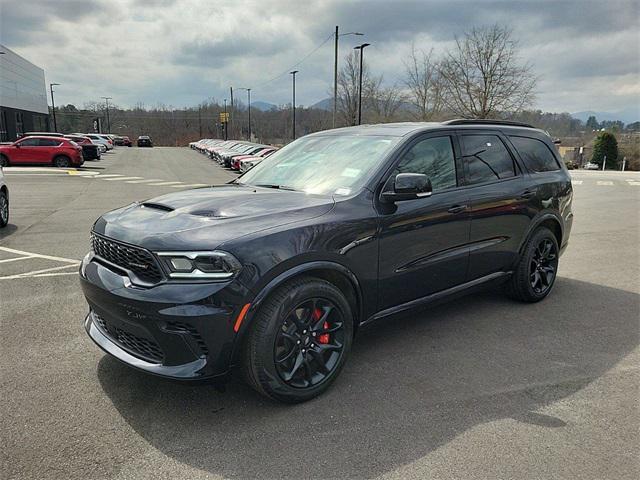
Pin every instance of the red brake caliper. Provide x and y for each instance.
(324, 338)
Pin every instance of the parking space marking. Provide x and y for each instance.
(51, 271)
(117, 179)
(145, 181)
(191, 185)
(105, 175)
(576, 182)
(164, 183)
(604, 182)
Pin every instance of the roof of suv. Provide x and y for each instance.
(405, 128)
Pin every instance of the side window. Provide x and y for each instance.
(46, 142)
(486, 158)
(29, 142)
(434, 158)
(535, 154)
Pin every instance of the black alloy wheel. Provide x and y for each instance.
(543, 266)
(4, 161)
(61, 162)
(309, 343)
(299, 340)
(535, 273)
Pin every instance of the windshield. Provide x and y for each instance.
(329, 164)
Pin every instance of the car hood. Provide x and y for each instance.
(206, 217)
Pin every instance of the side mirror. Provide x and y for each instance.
(406, 186)
(17, 145)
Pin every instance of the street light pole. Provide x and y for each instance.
(106, 100)
(53, 107)
(225, 123)
(361, 48)
(335, 73)
(293, 104)
(249, 108)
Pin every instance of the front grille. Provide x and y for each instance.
(142, 347)
(183, 328)
(135, 259)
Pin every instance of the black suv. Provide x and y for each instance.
(144, 141)
(276, 271)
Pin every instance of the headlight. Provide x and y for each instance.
(215, 265)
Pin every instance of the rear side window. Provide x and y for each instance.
(29, 142)
(486, 159)
(535, 154)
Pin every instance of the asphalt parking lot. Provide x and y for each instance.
(479, 388)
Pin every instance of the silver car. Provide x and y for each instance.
(4, 201)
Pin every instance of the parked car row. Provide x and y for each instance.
(234, 154)
(58, 151)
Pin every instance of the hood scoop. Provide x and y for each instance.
(158, 206)
(207, 213)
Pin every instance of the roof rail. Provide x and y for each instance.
(485, 121)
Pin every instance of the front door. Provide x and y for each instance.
(424, 242)
(26, 152)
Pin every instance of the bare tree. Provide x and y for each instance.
(424, 82)
(482, 75)
(383, 103)
(348, 83)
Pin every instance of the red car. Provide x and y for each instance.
(126, 141)
(57, 151)
(235, 161)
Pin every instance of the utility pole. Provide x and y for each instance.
(293, 104)
(335, 73)
(225, 123)
(200, 120)
(361, 48)
(231, 113)
(53, 107)
(248, 108)
(106, 99)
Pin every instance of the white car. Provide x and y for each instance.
(100, 139)
(4, 201)
(591, 166)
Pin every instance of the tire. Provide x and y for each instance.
(536, 272)
(4, 161)
(285, 364)
(61, 161)
(4, 209)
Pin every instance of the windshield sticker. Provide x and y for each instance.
(350, 172)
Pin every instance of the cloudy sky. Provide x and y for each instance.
(181, 52)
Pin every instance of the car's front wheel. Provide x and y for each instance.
(4, 161)
(299, 341)
(536, 271)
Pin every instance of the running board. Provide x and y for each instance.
(437, 296)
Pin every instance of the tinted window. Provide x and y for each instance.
(434, 158)
(535, 154)
(29, 142)
(45, 142)
(486, 158)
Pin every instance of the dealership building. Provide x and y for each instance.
(23, 96)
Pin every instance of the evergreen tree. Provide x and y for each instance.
(592, 123)
(605, 144)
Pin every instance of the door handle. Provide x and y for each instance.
(527, 194)
(457, 209)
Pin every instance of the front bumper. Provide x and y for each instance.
(176, 330)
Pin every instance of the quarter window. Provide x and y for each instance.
(535, 154)
(434, 158)
(45, 142)
(486, 158)
(29, 142)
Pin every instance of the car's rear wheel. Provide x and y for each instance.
(536, 271)
(4, 161)
(61, 161)
(4, 209)
(299, 341)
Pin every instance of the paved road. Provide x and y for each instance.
(480, 388)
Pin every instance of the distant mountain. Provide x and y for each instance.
(264, 106)
(628, 115)
(326, 104)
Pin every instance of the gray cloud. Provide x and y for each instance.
(181, 52)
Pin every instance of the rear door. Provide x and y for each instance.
(424, 242)
(498, 197)
(47, 149)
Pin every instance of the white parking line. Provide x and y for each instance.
(145, 181)
(634, 183)
(603, 182)
(117, 179)
(37, 273)
(37, 255)
(105, 175)
(164, 183)
(191, 185)
(14, 259)
(576, 182)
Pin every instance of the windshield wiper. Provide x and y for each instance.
(279, 187)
